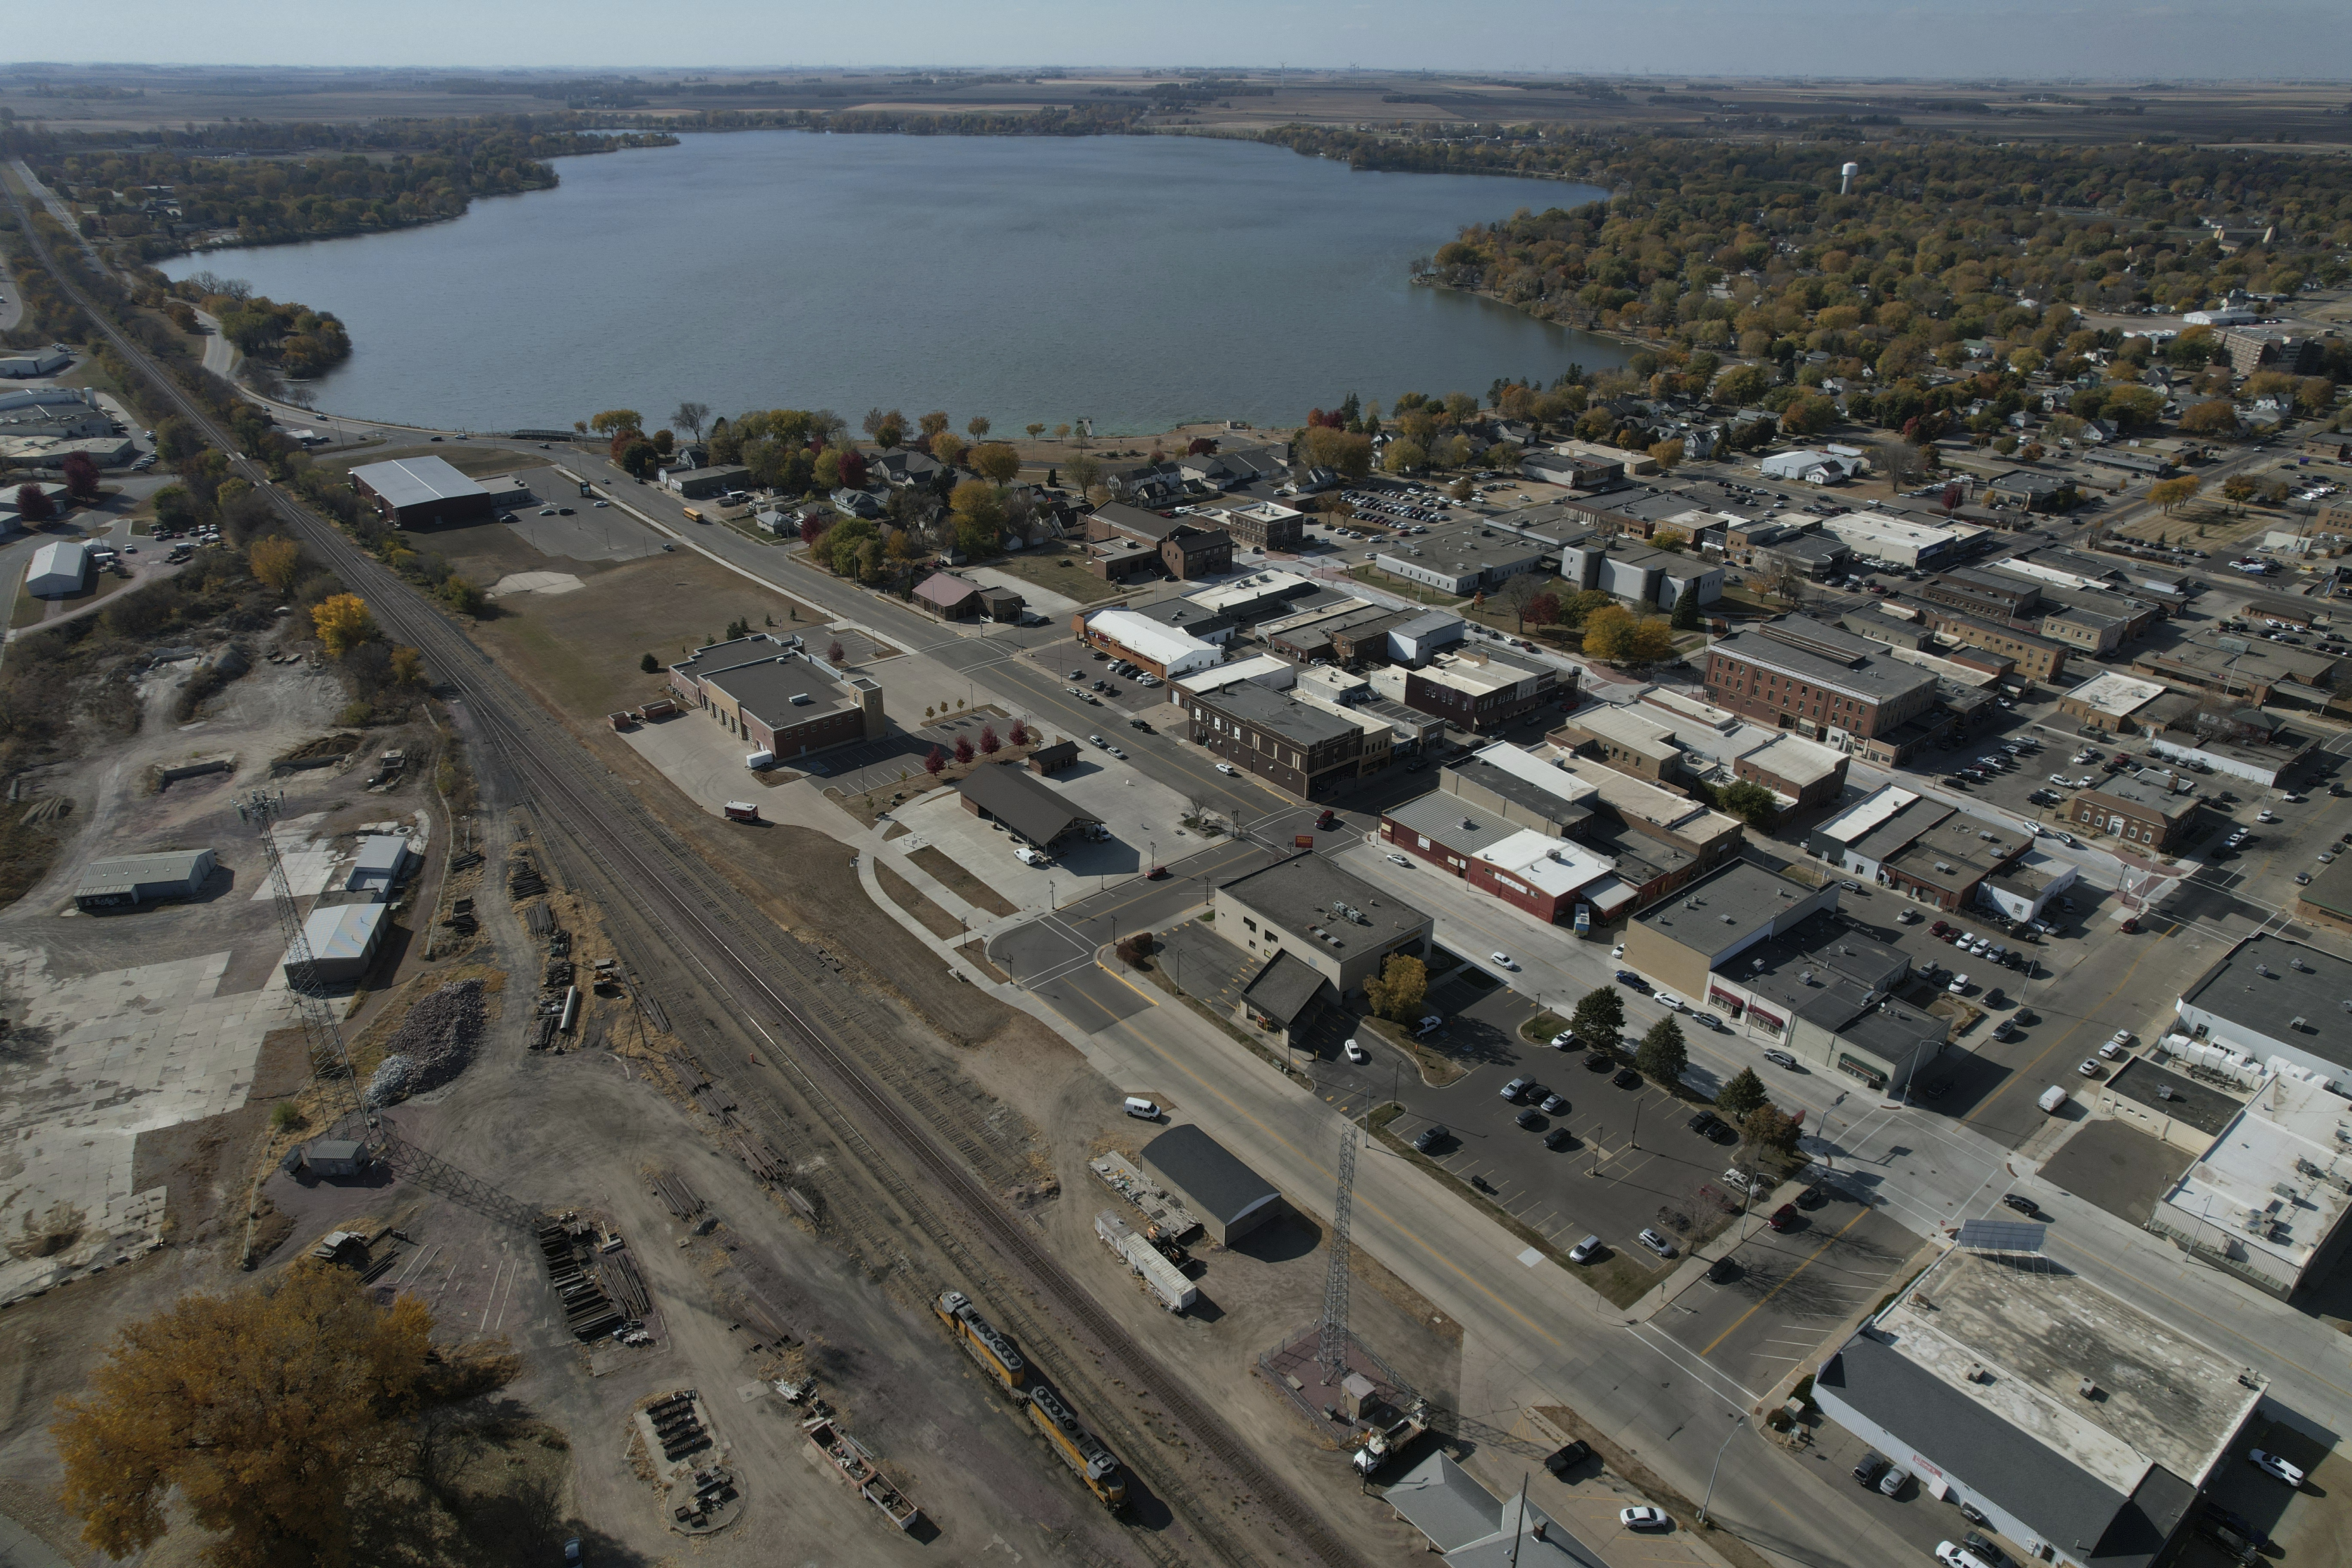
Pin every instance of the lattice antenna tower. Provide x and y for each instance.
(1332, 1349)
(321, 1036)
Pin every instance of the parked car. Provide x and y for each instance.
(1583, 1252)
(1559, 1138)
(2271, 1465)
(1868, 1468)
(1562, 1460)
(1517, 1088)
(2021, 1203)
(1780, 1058)
(1230, 770)
(1528, 1120)
(1645, 1517)
(1429, 1138)
(1627, 1079)
(1656, 1242)
(1553, 1104)
(1784, 1217)
(1356, 1053)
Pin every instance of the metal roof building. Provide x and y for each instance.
(410, 491)
(343, 939)
(1029, 807)
(381, 858)
(131, 879)
(1231, 1199)
(57, 568)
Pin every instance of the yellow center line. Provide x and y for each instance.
(1783, 1285)
(1123, 979)
(2025, 1072)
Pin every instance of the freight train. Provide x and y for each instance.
(994, 1350)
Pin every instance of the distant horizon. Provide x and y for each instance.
(1818, 40)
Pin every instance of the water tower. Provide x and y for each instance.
(1846, 178)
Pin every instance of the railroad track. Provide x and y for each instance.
(680, 893)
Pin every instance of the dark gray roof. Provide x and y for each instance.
(1733, 900)
(2265, 984)
(1295, 721)
(2206, 1109)
(1205, 1174)
(1520, 792)
(1285, 988)
(2042, 1487)
(1134, 520)
(1874, 679)
(1907, 825)
(1810, 547)
(1439, 816)
(1299, 894)
(1025, 804)
(2331, 890)
(766, 688)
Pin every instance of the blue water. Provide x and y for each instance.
(1141, 281)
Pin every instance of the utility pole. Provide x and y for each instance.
(1332, 1349)
(1737, 1421)
(321, 1036)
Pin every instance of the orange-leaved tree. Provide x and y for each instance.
(276, 562)
(344, 622)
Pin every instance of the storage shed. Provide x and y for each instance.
(336, 1157)
(1231, 1199)
(382, 858)
(59, 568)
(343, 939)
(129, 880)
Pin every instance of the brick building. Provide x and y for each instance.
(2037, 656)
(1477, 691)
(2147, 815)
(1307, 752)
(1139, 541)
(779, 700)
(1823, 683)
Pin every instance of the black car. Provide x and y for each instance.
(1627, 1079)
(1561, 1461)
(1812, 1197)
(1530, 1119)
(2229, 1519)
(2021, 1203)
(1868, 1471)
(1559, 1138)
(1599, 1062)
(1428, 1138)
(1722, 1133)
(1981, 1548)
(1703, 1121)
(1722, 1271)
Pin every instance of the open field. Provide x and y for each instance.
(1062, 569)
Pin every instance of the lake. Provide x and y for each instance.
(1143, 282)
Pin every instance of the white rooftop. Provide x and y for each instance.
(341, 930)
(1626, 727)
(1691, 707)
(1867, 815)
(1544, 773)
(1243, 589)
(1464, 674)
(1632, 797)
(2116, 694)
(414, 481)
(1554, 866)
(2286, 1137)
(1795, 757)
(1162, 644)
(1870, 528)
(1260, 668)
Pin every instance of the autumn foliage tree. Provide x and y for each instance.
(80, 476)
(989, 744)
(934, 764)
(33, 504)
(343, 621)
(275, 1415)
(276, 562)
(1020, 733)
(964, 748)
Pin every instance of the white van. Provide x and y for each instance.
(2052, 1099)
(1142, 1109)
(1952, 1554)
(1028, 856)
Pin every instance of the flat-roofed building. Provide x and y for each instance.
(1981, 593)
(2266, 1200)
(2247, 669)
(779, 700)
(2108, 700)
(2092, 631)
(2080, 1426)
(2264, 761)
(1263, 525)
(2032, 655)
(2327, 900)
(1801, 774)
(1343, 926)
(1546, 876)
(1461, 561)
(1945, 866)
(1714, 919)
(1829, 995)
(1166, 651)
(1876, 536)
(2277, 1002)
(1825, 684)
(422, 493)
(702, 484)
(2023, 890)
(1302, 751)
(1626, 739)
(1477, 691)
(2148, 816)
(1522, 789)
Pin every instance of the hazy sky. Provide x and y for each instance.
(1830, 37)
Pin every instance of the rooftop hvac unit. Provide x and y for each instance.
(2087, 1389)
(1806, 976)
(2300, 964)
(1986, 837)
(2264, 970)
(1757, 965)
(2282, 1189)
(1947, 870)
(2296, 1023)
(1729, 922)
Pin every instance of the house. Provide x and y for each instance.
(1026, 806)
(904, 468)
(1343, 927)
(2065, 1417)
(701, 484)
(949, 597)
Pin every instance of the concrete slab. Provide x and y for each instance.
(102, 1058)
(311, 863)
(535, 582)
(702, 759)
(1044, 601)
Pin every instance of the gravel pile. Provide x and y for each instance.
(433, 1043)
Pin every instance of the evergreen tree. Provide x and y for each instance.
(1685, 617)
(1743, 1094)
(1597, 1017)
(1663, 1055)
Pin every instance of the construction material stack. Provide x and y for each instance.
(1166, 1282)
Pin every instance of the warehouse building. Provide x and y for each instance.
(128, 880)
(1166, 651)
(382, 860)
(57, 569)
(1874, 536)
(343, 939)
(1231, 1199)
(423, 492)
(2080, 1426)
(1341, 925)
(1461, 561)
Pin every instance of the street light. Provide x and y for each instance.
(1737, 1421)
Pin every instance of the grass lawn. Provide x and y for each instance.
(462, 456)
(32, 612)
(956, 879)
(1365, 571)
(912, 900)
(1060, 568)
(580, 650)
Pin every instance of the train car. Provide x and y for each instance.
(983, 1340)
(1080, 1449)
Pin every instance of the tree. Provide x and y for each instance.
(1742, 1094)
(344, 622)
(80, 476)
(1663, 1055)
(650, 664)
(1672, 541)
(1324, 447)
(1397, 992)
(277, 563)
(937, 761)
(1020, 732)
(272, 1415)
(406, 667)
(614, 419)
(2167, 495)
(1405, 456)
(1651, 641)
(998, 462)
(1542, 610)
(1750, 802)
(934, 423)
(1667, 453)
(989, 744)
(690, 418)
(2240, 487)
(836, 655)
(33, 505)
(964, 748)
(976, 426)
(1742, 385)
(1035, 430)
(1685, 617)
(1770, 1127)
(1598, 1014)
(462, 595)
(2218, 416)
(1608, 633)
(947, 448)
